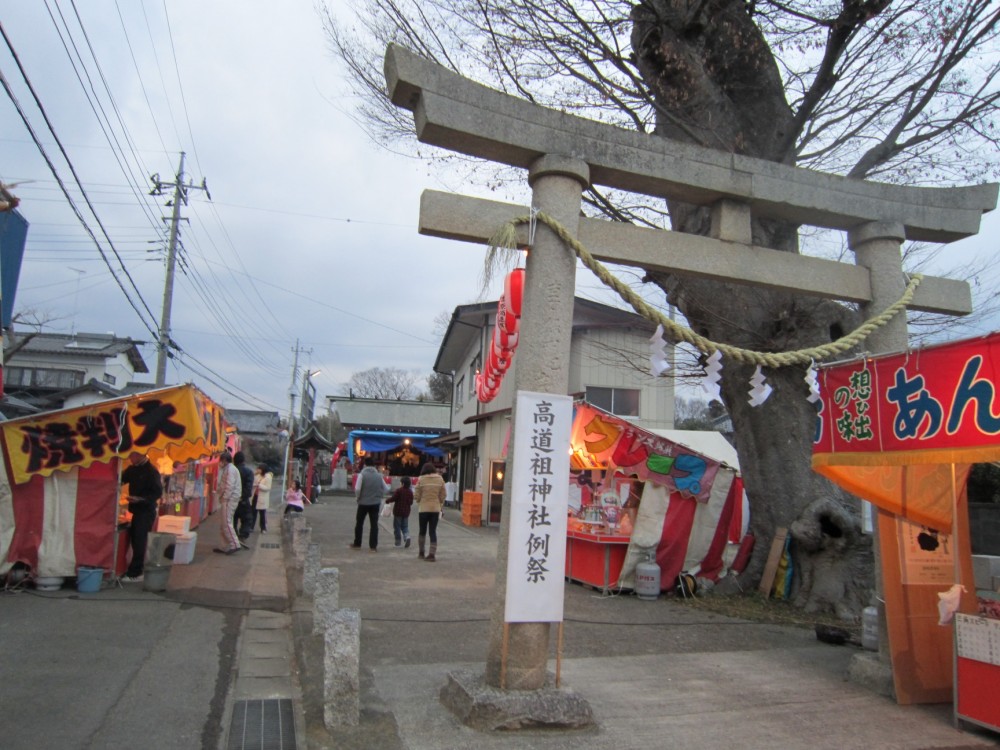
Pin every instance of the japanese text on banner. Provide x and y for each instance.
(536, 558)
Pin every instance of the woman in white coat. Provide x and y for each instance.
(262, 480)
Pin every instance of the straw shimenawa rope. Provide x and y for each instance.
(505, 239)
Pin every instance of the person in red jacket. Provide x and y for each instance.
(402, 501)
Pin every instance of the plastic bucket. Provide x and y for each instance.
(155, 577)
(88, 580)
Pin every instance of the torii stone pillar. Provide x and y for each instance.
(877, 246)
(557, 184)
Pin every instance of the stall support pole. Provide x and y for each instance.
(503, 656)
(113, 573)
(559, 651)
(958, 579)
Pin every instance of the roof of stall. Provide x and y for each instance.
(179, 422)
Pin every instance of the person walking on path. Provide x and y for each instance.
(401, 501)
(261, 496)
(295, 499)
(429, 497)
(243, 518)
(369, 491)
(227, 489)
(145, 488)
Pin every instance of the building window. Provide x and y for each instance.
(622, 402)
(109, 378)
(473, 369)
(459, 392)
(41, 377)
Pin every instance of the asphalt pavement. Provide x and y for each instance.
(657, 674)
(225, 655)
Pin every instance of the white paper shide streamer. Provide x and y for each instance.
(713, 373)
(658, 362)
(759, 389)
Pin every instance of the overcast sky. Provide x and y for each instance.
(310, 235)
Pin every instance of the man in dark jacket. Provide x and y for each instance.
(369, 491)
(243, 517)
(144, 491)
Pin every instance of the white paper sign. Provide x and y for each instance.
(536, 553)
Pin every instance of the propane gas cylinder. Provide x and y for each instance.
(647, 580)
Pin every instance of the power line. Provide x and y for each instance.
(95, 104)
(346, 312)
(138, 74)
(55, 173)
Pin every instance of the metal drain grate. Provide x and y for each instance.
(270, 545)
(262, 725)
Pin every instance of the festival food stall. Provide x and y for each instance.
(61, 489)
(397, 453)
(637, 495)
(902, 431)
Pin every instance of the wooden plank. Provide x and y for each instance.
(773, 558)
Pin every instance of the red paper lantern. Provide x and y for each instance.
(502, 352)
(513, 291)
(505, 340)
(506, 321)
(497, 363)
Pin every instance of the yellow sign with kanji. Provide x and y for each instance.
(180, 423)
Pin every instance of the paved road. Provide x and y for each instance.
(125, 668)
(656, 674)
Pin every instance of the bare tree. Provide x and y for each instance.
(384, 383)
(692, 414)
(30, 318)
(900, 91)
(439, 387)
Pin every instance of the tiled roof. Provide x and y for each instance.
(87, 345)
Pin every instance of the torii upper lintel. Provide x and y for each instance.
(458, 114)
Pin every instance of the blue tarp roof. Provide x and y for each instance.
(378, 441)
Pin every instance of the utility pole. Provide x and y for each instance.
(292, 393)
(180, 196)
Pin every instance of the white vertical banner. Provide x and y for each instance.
(539, 476)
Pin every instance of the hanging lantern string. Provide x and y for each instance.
(504, 241)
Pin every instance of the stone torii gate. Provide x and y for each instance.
(564, 154)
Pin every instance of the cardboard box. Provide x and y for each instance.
(184, 547)
(174, 524)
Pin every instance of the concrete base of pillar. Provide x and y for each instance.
(486, 708)
(871, 672)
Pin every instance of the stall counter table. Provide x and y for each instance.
(595, 559)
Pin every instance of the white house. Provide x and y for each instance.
(609, 367)
(55, 370)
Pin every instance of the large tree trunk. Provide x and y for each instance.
(717, 84)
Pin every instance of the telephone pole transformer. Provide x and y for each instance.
(180, 196)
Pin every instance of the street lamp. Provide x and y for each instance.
(292, 393)
(306, 414)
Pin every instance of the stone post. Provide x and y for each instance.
(341, 670)
(311, 570)
(876, 246)
(542, 365)
(326, 598)
(301, 537)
